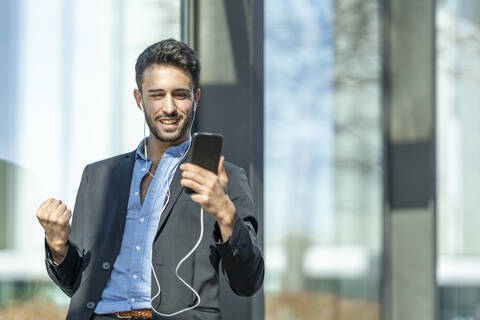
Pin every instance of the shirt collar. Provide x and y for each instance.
(174, 151)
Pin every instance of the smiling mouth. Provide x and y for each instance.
(168, 121)
(169, 124)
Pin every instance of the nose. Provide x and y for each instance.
(169, 106)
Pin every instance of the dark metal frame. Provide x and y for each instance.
(243, 113)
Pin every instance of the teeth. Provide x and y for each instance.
(168, 121)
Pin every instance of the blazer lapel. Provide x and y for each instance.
(175, 190)
(121, 189)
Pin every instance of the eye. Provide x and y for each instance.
(181, 95)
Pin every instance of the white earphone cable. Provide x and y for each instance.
(167, 199)
(180, 278)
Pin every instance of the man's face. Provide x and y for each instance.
(168, 102)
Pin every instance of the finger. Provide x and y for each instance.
(60, 210)
(50, 209)
(65, 217)
(222, 174)
(53, 206)
(192, 184)
(198, 198)
(45, 204)
(195, 168)
(188, 166)
(199, 177)
(64, 212)
(221, 169)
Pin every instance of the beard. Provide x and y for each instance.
(163, 137)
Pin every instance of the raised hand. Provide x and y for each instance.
(54, 217)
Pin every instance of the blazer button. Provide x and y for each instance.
(235, 252)
(90, 305)
(105, 265)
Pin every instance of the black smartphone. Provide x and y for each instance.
(206, 151)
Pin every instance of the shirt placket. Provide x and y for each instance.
(139, 238)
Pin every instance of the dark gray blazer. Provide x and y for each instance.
(96, 235)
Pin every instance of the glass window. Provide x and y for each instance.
(323, 159)
(458, 158)
(66, 86)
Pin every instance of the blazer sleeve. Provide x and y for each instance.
(66, 273)
(241, 256)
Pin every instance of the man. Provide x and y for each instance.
(133, 222)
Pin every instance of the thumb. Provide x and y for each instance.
(221, 170)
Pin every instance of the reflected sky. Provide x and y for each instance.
(298, 118)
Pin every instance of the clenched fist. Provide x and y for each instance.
(54, 217)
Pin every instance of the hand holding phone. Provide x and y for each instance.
(212, 188)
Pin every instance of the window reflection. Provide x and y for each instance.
(458, 156)
(66, 81)
(323, 185)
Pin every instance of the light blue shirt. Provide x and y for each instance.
(129, 285)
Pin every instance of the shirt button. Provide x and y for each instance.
(153, 190)
(142, 219)
(90, 305)
(235, 252)
(143, 169)
(134, 276)
(105, 265)
(132, 299)
(136, 193)
(137, 247)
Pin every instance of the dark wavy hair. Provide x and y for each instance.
(168, 52)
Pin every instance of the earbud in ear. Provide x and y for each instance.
(141, 107)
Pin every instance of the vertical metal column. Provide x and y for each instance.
(228, 37)
(410, 221)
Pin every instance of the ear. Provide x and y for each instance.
(197, 96)
(138, 98)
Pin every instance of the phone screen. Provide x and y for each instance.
(206, 151)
